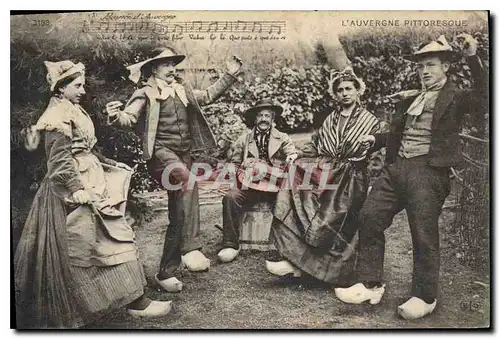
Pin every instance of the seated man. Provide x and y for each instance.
(265, 143)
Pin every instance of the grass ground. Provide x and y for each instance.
(242, 295)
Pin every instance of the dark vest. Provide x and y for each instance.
(173, 127)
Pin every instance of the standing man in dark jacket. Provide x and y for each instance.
(422, 145)
(169, 120)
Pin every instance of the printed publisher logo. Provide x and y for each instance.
(470, 306)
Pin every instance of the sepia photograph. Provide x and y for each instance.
(250, 170)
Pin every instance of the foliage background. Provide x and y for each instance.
(289, 73)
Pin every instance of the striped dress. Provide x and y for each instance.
(314, 228)
(340, 141)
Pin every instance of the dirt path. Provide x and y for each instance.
(243, 295)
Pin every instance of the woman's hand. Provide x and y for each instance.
(81, 197)
(367, 140)
(31, 138)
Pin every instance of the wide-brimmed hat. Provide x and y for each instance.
(167, 54)
(435, 47)
(57, 71)
(262, 104)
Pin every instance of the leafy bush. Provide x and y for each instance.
(301, 91)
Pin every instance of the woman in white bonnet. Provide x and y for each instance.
(77, 258)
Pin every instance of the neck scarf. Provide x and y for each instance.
(262, 140)
(417, 106)
(167, 90)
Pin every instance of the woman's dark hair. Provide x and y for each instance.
(346, 77)
(65, 81)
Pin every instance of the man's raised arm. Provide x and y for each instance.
(212, 93)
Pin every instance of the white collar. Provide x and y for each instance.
(171, 89)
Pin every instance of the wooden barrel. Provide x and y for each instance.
(256, 226)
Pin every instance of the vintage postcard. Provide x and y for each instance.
(250, 170)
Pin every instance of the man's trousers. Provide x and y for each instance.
(183, 208)
(410, 184)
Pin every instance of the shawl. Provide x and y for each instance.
(342, 143)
